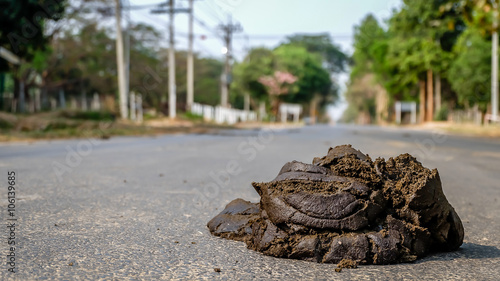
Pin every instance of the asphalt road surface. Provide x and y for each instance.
(136, 208)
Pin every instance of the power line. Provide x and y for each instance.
(182, 36)
(205, 26)
(279, 36)
(145, 6)
(211, 12)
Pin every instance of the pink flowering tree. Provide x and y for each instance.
(277, 85)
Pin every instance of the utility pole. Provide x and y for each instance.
(171, 64)
(494, 64)
(127, 56)
(190, 74)
(228, 30)
(171, 54)
(120, 63)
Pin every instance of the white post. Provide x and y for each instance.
(414, 112)
(139, 108)
(38, 105)
(224, 90)
(398, 112)
(62, 99)
(132, 106)
(96, 102)
(284, 113)
(84, 100)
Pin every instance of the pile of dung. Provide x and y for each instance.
(346, 207)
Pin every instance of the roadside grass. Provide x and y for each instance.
(491, 130)
(191, 116)
(463, 129)
(94, 124)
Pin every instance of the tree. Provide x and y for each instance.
(313, 78)
(333, 60)
(277, 84)
(422, 36)
(370, 48)
(23, 32)
(257, 63)
(369, 71)
(477, 14)
(470, 73)
(22, 26)
(360, 96)
(333, 57)
(207, 75)
(82, 62)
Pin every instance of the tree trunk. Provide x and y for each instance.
(422, 101)
(438, 92)
(430, 97)
(22, 97)
(45, 98)
(246, 105)
(313, 110)
(275, 106)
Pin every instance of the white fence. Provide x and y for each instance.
(222, 115)
(406, 107)
(472, 115)
(492, 118)
(290, 109)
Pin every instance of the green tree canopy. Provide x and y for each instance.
(331, 54)
(368, 37)
(470, 73)
(22, 26)
(313, 79)
(422, 35)
(368, 67)
(257, 63)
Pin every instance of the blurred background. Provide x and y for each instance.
(230, 61)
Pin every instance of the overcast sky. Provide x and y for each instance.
(266, 23)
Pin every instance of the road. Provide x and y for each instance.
(136, 208)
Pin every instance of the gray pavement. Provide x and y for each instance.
(136, 208)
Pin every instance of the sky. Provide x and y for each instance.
(266, 23)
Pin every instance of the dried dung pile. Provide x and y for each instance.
(346, 208)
